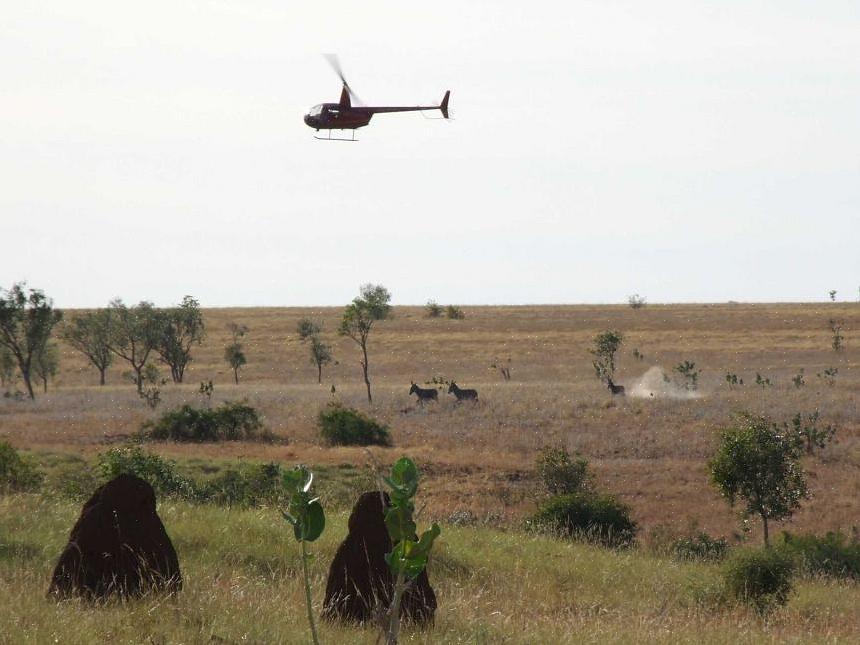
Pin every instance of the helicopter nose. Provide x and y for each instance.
(309, 120)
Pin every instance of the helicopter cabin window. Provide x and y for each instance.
(316, 110)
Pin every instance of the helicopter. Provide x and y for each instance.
(343, 115)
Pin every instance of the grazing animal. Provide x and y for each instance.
(615, 389)
(424, 394)
(462, 395)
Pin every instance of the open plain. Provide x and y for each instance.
(650, 451)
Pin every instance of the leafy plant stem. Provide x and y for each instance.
(305, 558)
(394, 621)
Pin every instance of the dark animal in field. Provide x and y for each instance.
(360, 585)
(615, 389)
(461, 394)
(118, 546)
(424, 394)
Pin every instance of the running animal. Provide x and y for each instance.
(615, 389)
(424, 394)
(462, 395)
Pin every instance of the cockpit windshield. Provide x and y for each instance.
(315, 110)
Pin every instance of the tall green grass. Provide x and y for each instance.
(243, 584)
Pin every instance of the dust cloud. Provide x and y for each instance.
(656, 384)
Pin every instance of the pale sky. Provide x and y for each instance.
(685, 151)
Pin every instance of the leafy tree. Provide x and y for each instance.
(320, 355)
(308, 328)
(134, 334)
(836, 329)
(234, 353)
(7, 367)
(733, 380)
(320, 351)
(758, 463)
(807, 433)
(636, 301)
(690, 374)
(434, 310)
(26, 322)
(560, 474)
(453, 312)
(181, 328)
(358, 317)
(89, 333)
(45, 363)
(604, 349)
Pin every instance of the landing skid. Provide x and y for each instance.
(331, 138)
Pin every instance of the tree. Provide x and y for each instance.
(45, 363)
(234, 353)
(759, 463)
(90, 334)
(181, 327)
(26, 322)
(636, 301)
(358, 317)
(134, 334)
(604, 349)
(7, 367)
(320, 351)
(307, 328)
(320, 355)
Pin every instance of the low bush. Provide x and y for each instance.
(700, 547)
(250, 485)
(17, 475)
(600, 519)
(227, 422)
(560, 474)
(833, 555)
(342, 426)
(760, 578)
(159, 472)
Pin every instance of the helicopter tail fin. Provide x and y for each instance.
(444, 106)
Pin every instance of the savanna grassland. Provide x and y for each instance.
(495, 582)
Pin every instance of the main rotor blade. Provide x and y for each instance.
(334, 61)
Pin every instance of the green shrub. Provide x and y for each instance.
(832, 555)
(227, 422)
(250, 485)
(16, 473)
(560, 474)
(159, 472)
(342, 426)
(589, 517)
(700, 547)
(760, 578)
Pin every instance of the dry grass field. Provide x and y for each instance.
(651, 452)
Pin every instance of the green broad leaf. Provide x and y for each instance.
(398, 521)
(403, 559)
(404, 476)
(423, 546)
(314, 522)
